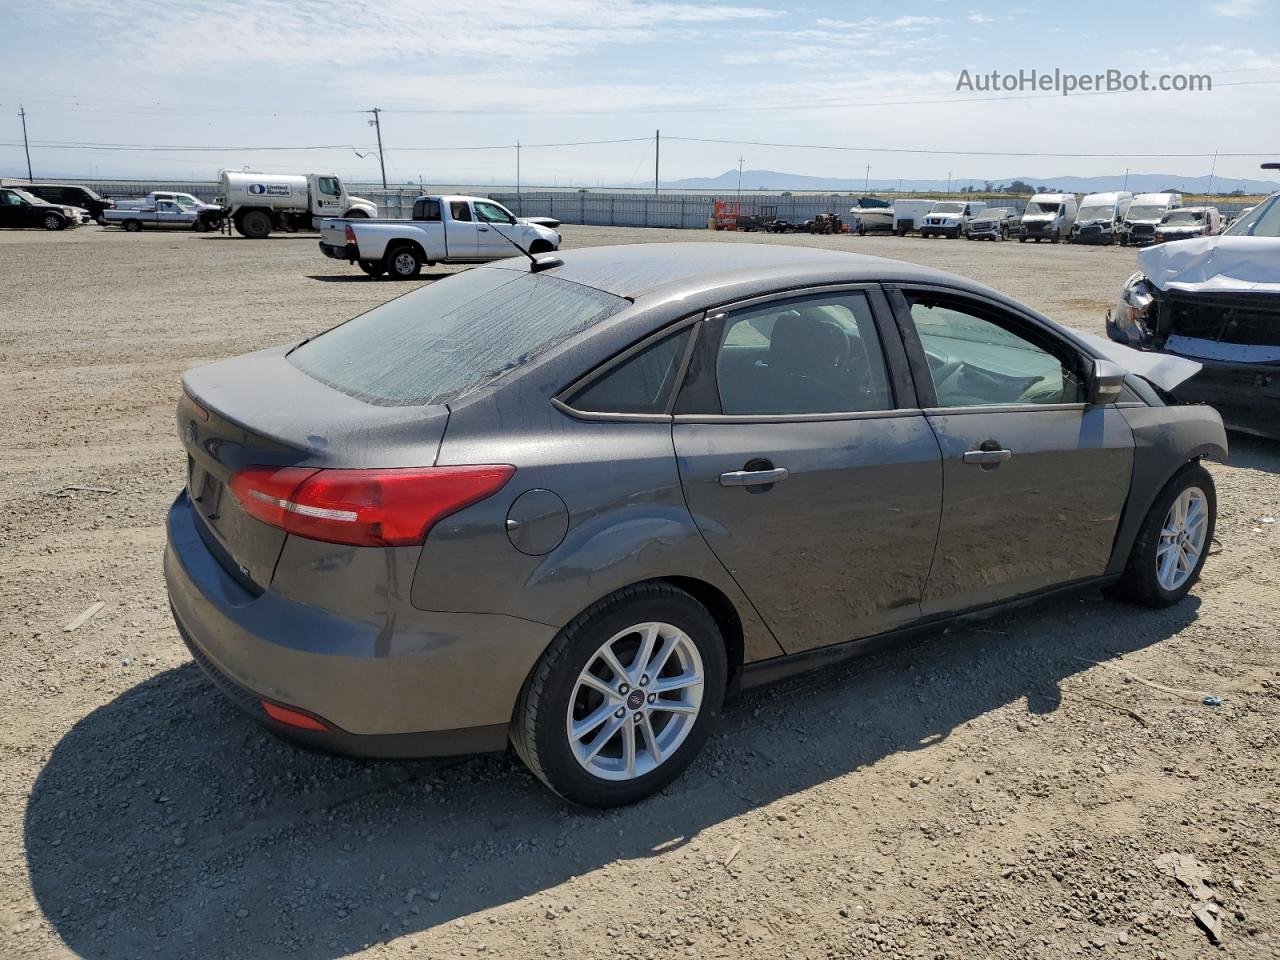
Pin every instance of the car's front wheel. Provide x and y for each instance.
(1173, 542)
(624, 697)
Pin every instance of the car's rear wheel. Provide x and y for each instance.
(372, 267)
(624, 697)
(404, 263)
(1173, 542)
(131, 226)
(54, 222)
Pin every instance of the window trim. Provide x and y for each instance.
(561, 399)
(901, 383)
(1020, 322)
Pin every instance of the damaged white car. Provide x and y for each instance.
(1215, 300)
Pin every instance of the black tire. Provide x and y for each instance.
(372, 267)
(538, 725)
(1022, 238)
(403, 262)
(1139, 583)
(254, 225)
(131, 226)
(1004, 233)
(53, 221)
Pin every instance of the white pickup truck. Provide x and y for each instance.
(444, 229)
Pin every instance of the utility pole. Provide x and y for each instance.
(22, 112)
(517, 169)
(740, 162)
(657, 147)
(866, 182)
(1126, 179)
(376, 123)
(948, 183)
(1211, 170)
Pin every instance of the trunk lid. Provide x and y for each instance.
(261, 409)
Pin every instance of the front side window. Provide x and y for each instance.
(642, 383)
(810, 355)
(975, 361)
(460, 210)
(329, 186)
(492, 213)
(452, 337)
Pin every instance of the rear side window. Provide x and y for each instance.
(455, 336)
(812, 355)
(460, 210)
(641, 384)
(427, 209)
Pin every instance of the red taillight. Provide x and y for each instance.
(292, 718)
(351, 235)
(363, 508)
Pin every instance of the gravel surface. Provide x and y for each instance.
(988, 793)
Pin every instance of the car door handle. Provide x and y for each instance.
(987, 456)
(753, 478)
(483, 229)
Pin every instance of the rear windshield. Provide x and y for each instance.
(448, 339)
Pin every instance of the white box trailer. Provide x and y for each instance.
(908, 214)
(258, 203)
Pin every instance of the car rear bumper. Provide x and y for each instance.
(344, 251)
(412, 684)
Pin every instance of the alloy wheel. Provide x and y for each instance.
(1182, 538)
(404, 263)
(635, 701)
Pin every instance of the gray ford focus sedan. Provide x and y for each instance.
(571, 504)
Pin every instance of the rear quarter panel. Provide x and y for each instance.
(627, 522)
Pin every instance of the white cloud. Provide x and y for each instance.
(268, 33)
(1238, 8)
(976, 17)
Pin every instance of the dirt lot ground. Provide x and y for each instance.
(990, 793)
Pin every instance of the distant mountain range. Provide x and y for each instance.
(1136, 182)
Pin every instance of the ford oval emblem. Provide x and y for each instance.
(189, 434)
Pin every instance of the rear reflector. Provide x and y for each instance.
(292, 718)
(363, 508)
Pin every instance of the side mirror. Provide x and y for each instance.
(1105, 383)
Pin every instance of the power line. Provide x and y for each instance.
(962, 153)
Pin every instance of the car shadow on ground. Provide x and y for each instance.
(362, 278)
(1253, 453)
(167, 822)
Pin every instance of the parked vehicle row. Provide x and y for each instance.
(20, 208)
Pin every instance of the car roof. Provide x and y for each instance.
(643, 270)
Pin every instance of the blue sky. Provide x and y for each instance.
(227, 75)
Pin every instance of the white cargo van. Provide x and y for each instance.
(1145, 214)
(1049, 216)
(1100, 217)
